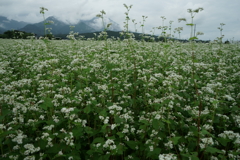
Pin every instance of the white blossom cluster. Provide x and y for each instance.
(231, 135)
(167, 157)
(66, 93)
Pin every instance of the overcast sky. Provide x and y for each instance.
(207, 21)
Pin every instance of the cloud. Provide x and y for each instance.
(214, 13)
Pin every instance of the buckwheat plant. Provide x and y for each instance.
(142, 26)
(72, 35)
(126, 23)
(193, 12)
(101, 15)
(42, 11)
(221, 35)
(134, 23)
(170, 28)
(178, 30)
(163, 28)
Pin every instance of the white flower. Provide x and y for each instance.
(106, 120)
(113, 126)
(167, 157)
(151, 148)
(60, 153)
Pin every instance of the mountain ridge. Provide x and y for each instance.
(58, 27)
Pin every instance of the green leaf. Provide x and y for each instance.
(144, 121)
(98, 140)
(192, 157)
(205, 132)
(77, 132)
(192, 38)
(167, 121)
(107, 156)
(154, 154)
(166, 46)
(155, 123)
(132, 144)
(213, 150)
(175, 140)
(117, 119)
(87, 109)
(223, 141)
(103, 113)
(190, 24)
(47, 103)
(120, 134)
(89, 130)
(5, 112)
(104, 128)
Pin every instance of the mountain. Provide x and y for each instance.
(32, 28)
(6, 24)
(58, 27)
(2, 30)
(96, 23)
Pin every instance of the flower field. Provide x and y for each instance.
(119, 100)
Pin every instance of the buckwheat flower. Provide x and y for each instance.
(16, 147)
(41, 117)
(84, 122)
(49, 127)
(55, 119)
(29, 158)
(19, 137)
(30, 149)
(125, 130)
(133, 130)
(14, 157)
(169, 156)
(63, 130)
(106, 120)
(113, 126)
(151, 148)
(228, 97)
(64, 110)
(112, 147)
(44, 135)
(208, 127)
(107, 143)
(60, 153)
(72, 116)
(2, 126)
(206, 142)
(111, 112)
(98, 145)
(169, 144)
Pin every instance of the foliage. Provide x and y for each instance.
(15, 34)
(84, 101)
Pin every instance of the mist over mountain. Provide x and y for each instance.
(6, 24)
(58, 27)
